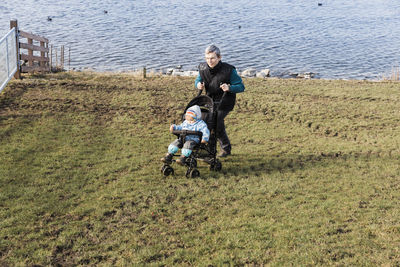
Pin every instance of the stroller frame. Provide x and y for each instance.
(210, 148)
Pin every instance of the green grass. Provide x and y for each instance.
(314, 178)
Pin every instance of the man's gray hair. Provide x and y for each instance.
(213, 49)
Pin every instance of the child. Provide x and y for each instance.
(193, 122)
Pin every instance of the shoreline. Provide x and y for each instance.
(191, 73)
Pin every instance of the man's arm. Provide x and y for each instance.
(237, 85)
(197, 81)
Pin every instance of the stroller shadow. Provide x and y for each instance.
(256, 165)
(264, 164)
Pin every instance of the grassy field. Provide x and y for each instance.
(314, 178)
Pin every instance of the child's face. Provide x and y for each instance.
(189, 119)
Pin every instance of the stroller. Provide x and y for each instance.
(202, 152)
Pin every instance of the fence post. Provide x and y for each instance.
(14, 24)
(144, 72)
(62, 57)
(51, 58)
(30, 53)
(42, 63)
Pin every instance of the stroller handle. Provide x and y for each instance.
(201, 91)
(218, 103)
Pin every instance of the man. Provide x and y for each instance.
(217, 77)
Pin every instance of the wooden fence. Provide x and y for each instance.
(34, 51)
(38, 52)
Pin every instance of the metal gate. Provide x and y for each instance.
(8, 58)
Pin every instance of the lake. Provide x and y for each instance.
(334, 39)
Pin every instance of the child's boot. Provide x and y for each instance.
(181, 160)
(167, 159)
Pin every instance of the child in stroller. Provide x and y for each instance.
(192, 122)
(199, 109)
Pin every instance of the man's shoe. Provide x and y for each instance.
(224, 154)
(167, 159)
(181, 160)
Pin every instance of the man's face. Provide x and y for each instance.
(212, 59)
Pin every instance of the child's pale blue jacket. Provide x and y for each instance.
(198, 125)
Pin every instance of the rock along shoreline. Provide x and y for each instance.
(178, 71)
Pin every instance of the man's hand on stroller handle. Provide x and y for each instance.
(171, 128)
(225, 87)
(201, 86)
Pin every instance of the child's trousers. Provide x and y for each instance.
(187, 147)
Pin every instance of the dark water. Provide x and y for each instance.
(338, 40)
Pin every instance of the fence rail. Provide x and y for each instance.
(34, 47)
(33, 36)
(8, 57)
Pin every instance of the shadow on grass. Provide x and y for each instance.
(11, 95)
(9, 108)
(264, 164)
(261, 164)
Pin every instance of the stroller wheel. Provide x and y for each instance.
(163, 167)
(191, 162)
(192, 173)
(167, 170)
(216, 165)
